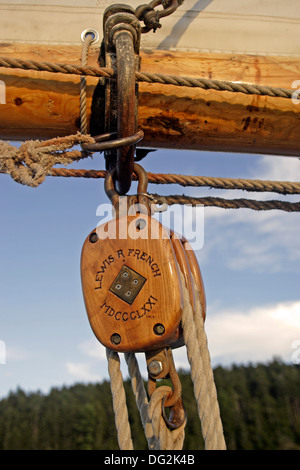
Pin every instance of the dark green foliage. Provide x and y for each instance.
(260, 409)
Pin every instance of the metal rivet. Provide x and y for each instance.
(159, 329)
(115, 338)
(93, 237)
(118, 286)
(125, 274)
(135, 282)
(128, 293)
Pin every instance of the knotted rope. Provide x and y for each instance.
(31, 162)
(34, 160)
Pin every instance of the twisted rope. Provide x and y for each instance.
(52, 67)
(158, 435)
(281, 187)
(175, 80)
(201, 372)
(31, 162)
(166, 439)
(138, 388)
(217, 85)
(228, 203)
(83, 107)
(119, 401)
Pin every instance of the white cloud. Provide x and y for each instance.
(277, 168)
(258, 334)
(81, 371)
(247, 239)
(92, 348)
(16, 354)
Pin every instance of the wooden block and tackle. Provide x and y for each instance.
(132, 270)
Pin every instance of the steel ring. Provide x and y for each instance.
(92, 32)
(103, 144)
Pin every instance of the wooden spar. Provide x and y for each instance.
(45, 105)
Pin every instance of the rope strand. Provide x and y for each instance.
(83, 87)
(281, 187)
(175, 80)
(119, 401)
(228, 203)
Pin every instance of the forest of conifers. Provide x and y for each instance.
(260, 410)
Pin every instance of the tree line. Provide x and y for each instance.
(259, 405)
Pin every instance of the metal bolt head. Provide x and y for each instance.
(115, 338)
(159, 329)
(93, 237)
(155, 368)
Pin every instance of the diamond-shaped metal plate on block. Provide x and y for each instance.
(127, 284)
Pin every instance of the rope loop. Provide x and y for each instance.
(166, 439)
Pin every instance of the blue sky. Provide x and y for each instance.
(250, 263)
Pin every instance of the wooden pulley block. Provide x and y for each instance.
(190, 269)
(131, 284)
(196, 273)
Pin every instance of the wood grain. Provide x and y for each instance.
(44, 105)
(159, 302)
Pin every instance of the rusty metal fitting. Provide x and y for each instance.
(120, 28)
(107, 142)
(114, 197)
(116, 8)
(168, 370)
(160, 365)
(121, 21)
(169, 7)
(177, 415)
(151, 17)
(122, 32)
